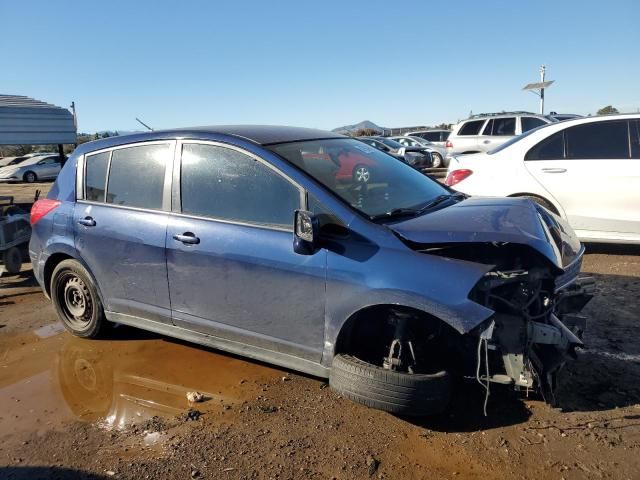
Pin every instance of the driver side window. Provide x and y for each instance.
(226, 184)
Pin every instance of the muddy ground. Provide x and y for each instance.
(117, 408)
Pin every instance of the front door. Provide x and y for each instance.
(120, 235)
(231, 266)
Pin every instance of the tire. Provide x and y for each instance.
(361, 174)
(76, 301)
(398, 393)
(30, 177)
(12, 259)
(542, 202)
(436, 160)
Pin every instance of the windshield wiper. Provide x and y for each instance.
(441, 198)
(403, 212)
(395, 213)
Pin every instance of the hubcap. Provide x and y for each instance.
(362, 174)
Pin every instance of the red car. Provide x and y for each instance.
(349, 166)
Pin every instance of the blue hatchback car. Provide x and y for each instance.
(254, 240)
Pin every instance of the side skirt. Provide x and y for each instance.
(238, 348)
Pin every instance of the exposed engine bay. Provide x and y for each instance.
(536, 327)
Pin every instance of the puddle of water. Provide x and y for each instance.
(48, 376)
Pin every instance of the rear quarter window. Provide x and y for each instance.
(96, 176)
(551, 148)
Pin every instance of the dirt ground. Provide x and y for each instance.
(117, 408)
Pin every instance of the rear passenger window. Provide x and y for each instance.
(96, 176)
(504, 126)
(529, 123)
(551, 148)
(223, 183)
(598, 140)
(471, 128)
(136, 176)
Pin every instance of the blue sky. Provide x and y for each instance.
(316, 63)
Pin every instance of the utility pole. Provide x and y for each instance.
(539, 87)
(542, 71)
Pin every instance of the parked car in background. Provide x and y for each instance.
(4, 161)
(484, 132)
(227, 237)
(438, 154)
(32, 169)
(586, 170)
(561, 117)
(434, 135)
(418, 157)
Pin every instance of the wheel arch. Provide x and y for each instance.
(374, 314)
(54, 260)
(557, 209)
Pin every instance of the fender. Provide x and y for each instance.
(435, 285)
(65, 248)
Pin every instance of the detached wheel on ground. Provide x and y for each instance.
(76, 300)
(12, 259)
(395, 392)
(436, 160)
(30, 177)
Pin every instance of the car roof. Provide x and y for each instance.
(259, 134)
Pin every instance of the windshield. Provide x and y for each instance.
(510, 142)
(390, 143)
(371, 181)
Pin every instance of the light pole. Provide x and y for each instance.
(539, 87)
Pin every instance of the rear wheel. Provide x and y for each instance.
(436, 160)
(30, 177)
(76, 300)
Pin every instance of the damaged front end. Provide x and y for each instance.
(535, 329)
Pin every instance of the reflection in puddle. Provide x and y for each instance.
(47, 377)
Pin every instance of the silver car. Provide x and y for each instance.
(438, 154)
(32, 169)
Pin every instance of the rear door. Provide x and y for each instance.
(589, 169)
(231, 266)
(120, 223)
(496, 132)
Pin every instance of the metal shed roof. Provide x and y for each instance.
(26, 121)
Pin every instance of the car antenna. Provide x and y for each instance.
(144, 124)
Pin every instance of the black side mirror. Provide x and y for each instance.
(305, 232)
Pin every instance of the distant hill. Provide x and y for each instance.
(365, 124)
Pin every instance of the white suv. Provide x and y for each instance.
(481, 133)
(586, 170)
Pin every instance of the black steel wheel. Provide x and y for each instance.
(76, 300)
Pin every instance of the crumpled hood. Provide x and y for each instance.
(485, 220)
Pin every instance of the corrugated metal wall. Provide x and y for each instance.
(25, 121)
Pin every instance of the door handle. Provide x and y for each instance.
(187, 237)
(87, 222)
(554, 170)
(487, 141)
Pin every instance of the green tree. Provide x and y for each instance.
(608, 110)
